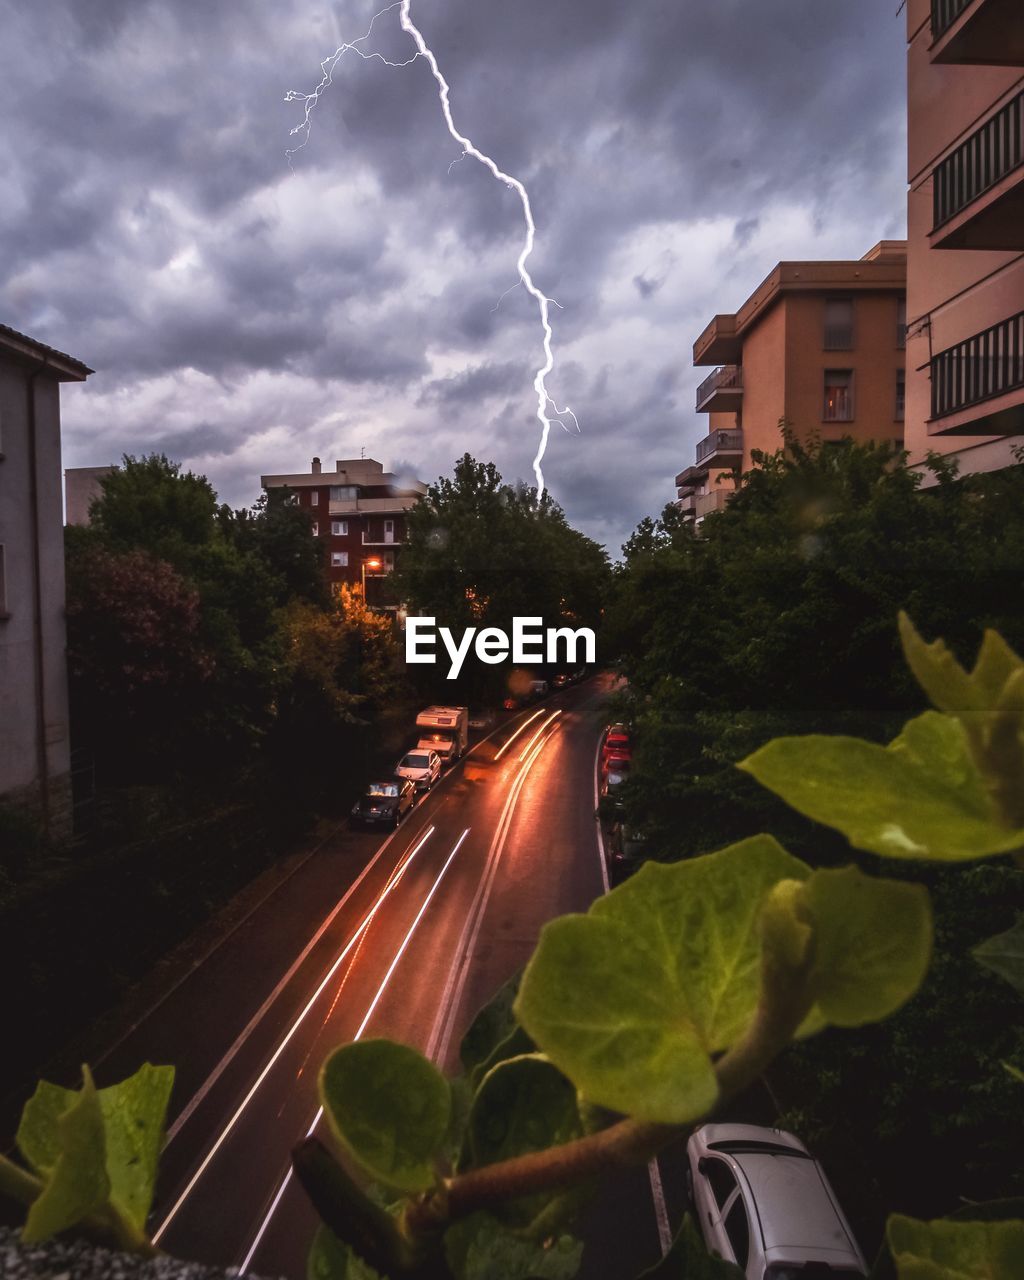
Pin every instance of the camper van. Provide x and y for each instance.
(444, 730)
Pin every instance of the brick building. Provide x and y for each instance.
(359, 510)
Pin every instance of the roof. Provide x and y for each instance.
(23, 348)
(793, 1203)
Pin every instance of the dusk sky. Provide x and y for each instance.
(243, 316)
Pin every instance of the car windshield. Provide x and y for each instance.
(416, 761)
(382, 789)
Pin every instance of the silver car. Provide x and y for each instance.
(421, 767)
(763, 1202)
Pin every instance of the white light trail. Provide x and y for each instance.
(251, 1253)
(522, 728)
(310, 100)
(396, 876)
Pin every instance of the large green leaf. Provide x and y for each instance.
(630, 999)
(954, 1250)
(77, 1183)
(133, 1122)
(482, 1248)
(873, 941)
(390, 1109)
(523, 1105)
(919, 797)
(948, 685)
(330, 1259)
(1004, 954)
(492, 1033)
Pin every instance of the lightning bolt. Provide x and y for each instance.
(544, 400)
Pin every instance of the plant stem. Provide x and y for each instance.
(18, 1183)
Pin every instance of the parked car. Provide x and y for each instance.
(423, 768)
(560, 681)
(538, 688)
(616, 743)
(610, 791)
(384, 804)
(763, 1202)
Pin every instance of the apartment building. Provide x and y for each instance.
(35, 758)
(819, 345)
(965, 228)
(359, 510)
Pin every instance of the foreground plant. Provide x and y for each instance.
(667, 998)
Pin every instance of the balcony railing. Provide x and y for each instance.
(984, 159)
(713, 501)
(720, 443)
(728, 378)
(989, 364)
(384, 540)
(839, 337)
(945, 13)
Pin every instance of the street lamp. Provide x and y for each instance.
(374, 564)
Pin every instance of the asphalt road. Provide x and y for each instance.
(402, 937)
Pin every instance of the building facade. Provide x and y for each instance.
(819, 345)
(35, 759)
(359, 511)
(965, 228)
(81, 489)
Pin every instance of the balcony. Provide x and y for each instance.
(721, 449)
(719, 343)
(686, 503)
(986, 367)
(978, 190)
(385, 540)
(838, 337)
(707, 503)
(722, 392)
(977, 31)
(373, 506)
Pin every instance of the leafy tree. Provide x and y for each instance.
(482, 552)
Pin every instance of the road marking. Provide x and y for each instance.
(503, 749)
(444, 1022)
(392, 882)
(250, 1254)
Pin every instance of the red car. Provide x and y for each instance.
(616, 743)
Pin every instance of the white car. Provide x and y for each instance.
(763, 1202)
(421, 767)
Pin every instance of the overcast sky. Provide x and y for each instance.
(243, 315)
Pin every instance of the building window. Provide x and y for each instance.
(339, 528)
(838, 324)
(316, 529)
(339, 559)
(344, 492)
(901, 322)
(838, 406)
(314, 497)
(3, 582)
(901, 393)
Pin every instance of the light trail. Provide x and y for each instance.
(525, 278)
(223, 1135)
(521, 729)
(251, 1253)
(554, 716)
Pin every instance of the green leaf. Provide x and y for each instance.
(945, 681)
(389, 1107)
(688, 1259)
(632, 998)
(38, 1134)
(1014, 1072)
(919, 797)
(330, 1259)
(523, 1105)
(494, 1034)
(482, 1248)
(954, 1250)
(78, 1184)
(1004, 954)
(133, 1121)
(873, 943)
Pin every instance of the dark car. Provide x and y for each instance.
(561, 681)
(384, 804)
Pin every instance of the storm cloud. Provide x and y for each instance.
(246, 313)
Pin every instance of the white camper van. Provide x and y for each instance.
(444, 730)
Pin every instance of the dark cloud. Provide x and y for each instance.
(245, 313)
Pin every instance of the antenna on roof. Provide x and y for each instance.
(362, 451)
